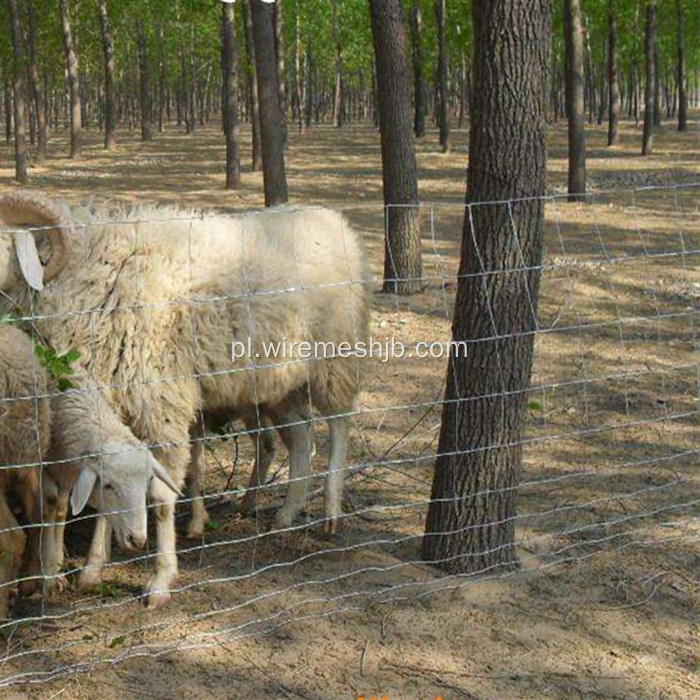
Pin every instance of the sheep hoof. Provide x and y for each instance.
(89, 579)
(54, 586)
(195, 530)
(156, 597)
(330, 527)
(284, 519)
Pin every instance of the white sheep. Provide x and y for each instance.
(76, 445)
(154, 298)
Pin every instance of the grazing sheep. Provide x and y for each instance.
(154, 298)
(75, 444)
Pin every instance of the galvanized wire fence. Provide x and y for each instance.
(610, 444)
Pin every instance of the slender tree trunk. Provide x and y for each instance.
(443, 98)
(257, 157)
(19, 93)
(682, 93)
(145, 83)
(613, 79)
(281, 71)
(338, 102)
(161, 77)
(657, 80)
(310, 84)
(37, 92)
(299, 82)
(8, 111)
(470, 526)
(575, 108)
(402, 263)
(76, 112)
(110, 100)
(271, 129)
(230, 82)
(649, 41)
(419, 89)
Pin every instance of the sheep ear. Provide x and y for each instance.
(161, 473)
(29, 261)
(82, 490)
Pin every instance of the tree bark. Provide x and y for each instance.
(419, 89)
(575, 108)
(649, 62)
(271, 129)
(682, 91)
(37, 92)
(470, 526)
(144, 80)
(18, 84)
(657, 80)
(76, 113)
(281, 71)
(299, 82)
(338, 101)
(613, 77)
(443, 102)
(230, 82)
(257, 162)
(402, 262)
(110, 99)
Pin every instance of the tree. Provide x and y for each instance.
(613, 80)
(680, 48)
(419, 89)
(443, 104)
(281, 71)
(650, 66)
(575, 107)
(144, 79)
(110, 97)
(76, 118)
(253, 87)
(19, 93)
(37, 92)
(338, 106)
(271, 128)
(470, 525)
(230, 81)
(402, 262)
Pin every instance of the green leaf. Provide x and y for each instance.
(117, 642)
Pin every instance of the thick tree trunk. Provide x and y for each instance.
(76, 112)
(110, 99)
(613, 78)
(144, 80)
(470, 526)
(649, 62)
(443, 98)
(257, 158)
(37, 92)
(281, 71)
(575, 108)
(230, 96)
(271, 129)
(419, 89)
(402, 264)
(680, 69)
(18, 84)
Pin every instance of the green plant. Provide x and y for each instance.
(60, 367)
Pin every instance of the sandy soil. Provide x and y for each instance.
(606, 603)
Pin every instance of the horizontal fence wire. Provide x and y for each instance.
(133, 356)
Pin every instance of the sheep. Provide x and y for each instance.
(60, 445)
(154, 297)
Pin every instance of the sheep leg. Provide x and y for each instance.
(52, 562)
(338, 427)
(158, 589)
(199, 517)
(12, 543)
(31, 506)
(98, 556)
(264, 442)
(296, 435)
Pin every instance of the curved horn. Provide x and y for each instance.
(32, 210)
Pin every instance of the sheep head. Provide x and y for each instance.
(30, 223)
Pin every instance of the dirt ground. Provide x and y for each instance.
(607, 602)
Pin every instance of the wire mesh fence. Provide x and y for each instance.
(138, 344)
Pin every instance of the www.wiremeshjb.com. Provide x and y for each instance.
(382, 349)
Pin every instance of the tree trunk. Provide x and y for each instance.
(257, 162)
(682, 93)
(76, 113)
(161, 77)
(19, 93)
(649, 62)
(299, 82)
(402, 263)
(230, 83)
(144, 80)
(110, 101)
(613, 79)
(443, 106)
(657, 80)
(470, 526)
(271, 129)
(338, 106)
(419, 89)
(575, 108)
(37, 92)
(281, 72)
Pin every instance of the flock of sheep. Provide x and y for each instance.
(152, 299)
